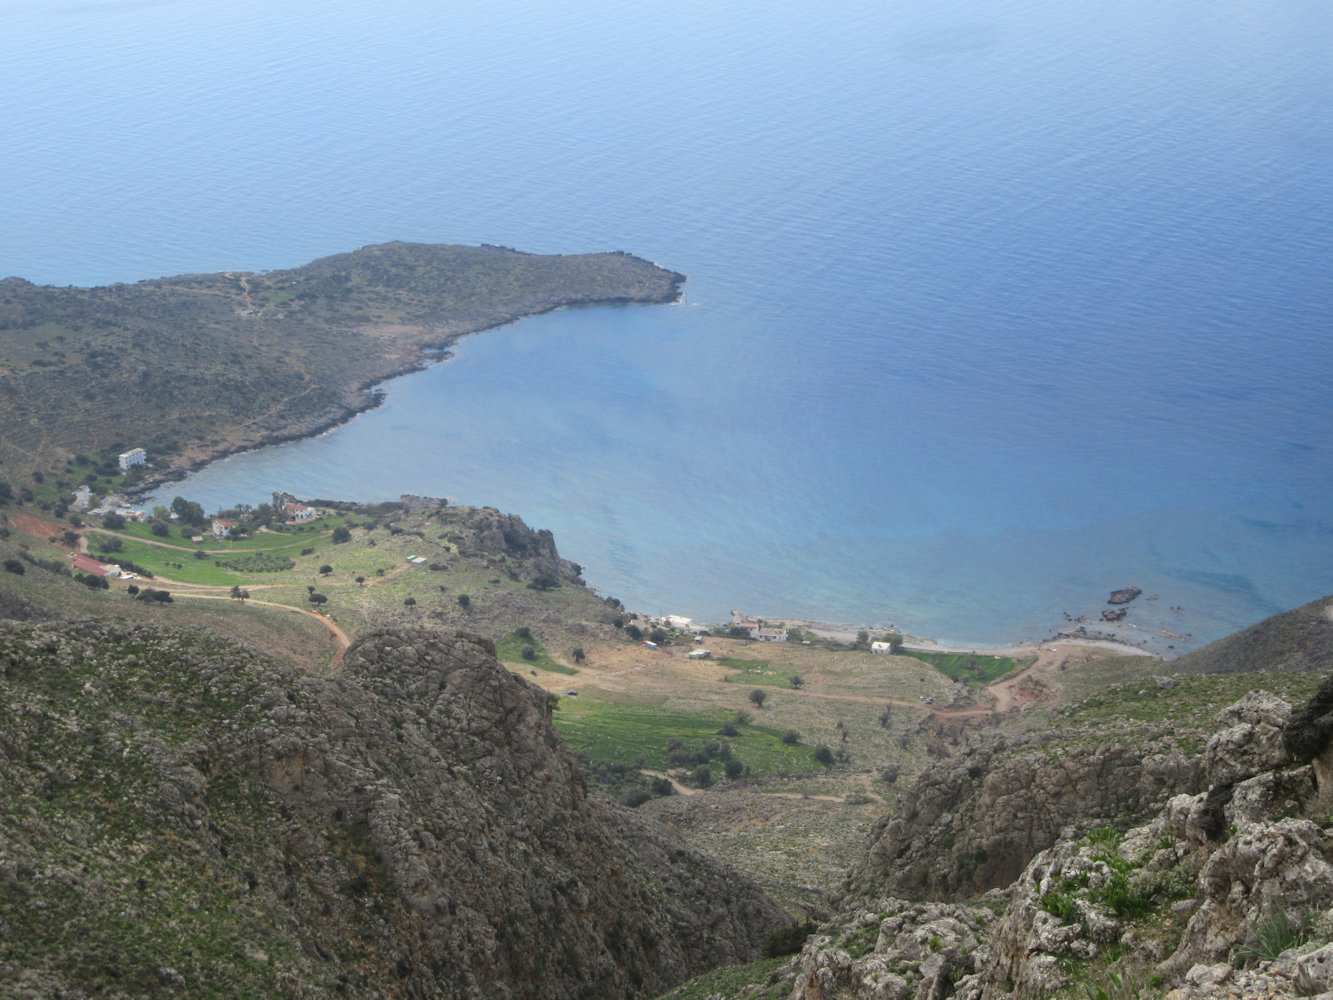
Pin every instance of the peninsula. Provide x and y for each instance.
(195, 367)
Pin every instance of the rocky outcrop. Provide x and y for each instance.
(1226, 892)
(972, 823)
(179, 811)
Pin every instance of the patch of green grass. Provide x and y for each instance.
(1273, 935)
(510, 650)
(731, 979)
(760, 673)
(974, 668)
(176, 564)
(624, 732)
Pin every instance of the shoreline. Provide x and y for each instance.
(1023, 647)
(368, 392)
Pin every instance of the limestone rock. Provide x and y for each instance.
(972, 823)
(414, 827)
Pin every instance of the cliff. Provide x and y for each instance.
(184, 817)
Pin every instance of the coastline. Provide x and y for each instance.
(1024, 647)
(404, 349)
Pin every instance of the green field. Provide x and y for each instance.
(760, 673)
(510, 650)
(973, 668)
(623, 732)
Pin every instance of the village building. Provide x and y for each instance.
(699, 654)
(129, 459)
(221, 529)
(771, 634)
(299, 513)
(87, 564)
(83, 496)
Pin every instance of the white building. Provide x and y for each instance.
(771, 634)
(299, 512)
(222, 528)
(135, 456)
(83, 497)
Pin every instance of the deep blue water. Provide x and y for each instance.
(993, 305)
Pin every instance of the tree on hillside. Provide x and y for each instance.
(325, 570)
(113, 521)
(189, 512)
(758, 696)
(464, 601)
(341, 534)
(796, 681)
(578, 655)
(315, 598)
(894, 639)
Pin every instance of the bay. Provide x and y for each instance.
(992, 306)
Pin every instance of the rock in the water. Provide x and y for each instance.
(1124, 595)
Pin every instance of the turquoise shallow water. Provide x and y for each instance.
(992, 306)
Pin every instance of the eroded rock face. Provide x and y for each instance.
(1188, 900)
(414, 827)
(973, 823)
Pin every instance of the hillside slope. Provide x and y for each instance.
(181, 816)
(228, 361)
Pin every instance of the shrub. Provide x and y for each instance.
(464, 601)
(758, 696)
(325, 570)
(729, 729)
(734, 769)
(637, 797)
(113, 521)
(529, 653)
(791, 737)
(663, 786)
(1060, 906)
(824, 755)
(14, 566)
(160, 529)
(341, 534)
(409, 602)
(796, 681)
(702, 776)
(1275, 934)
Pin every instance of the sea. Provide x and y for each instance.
(993, 306)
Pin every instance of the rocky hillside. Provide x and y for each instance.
(1226, 892)
(1301, 639)
(183, 817)
(973, 823)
